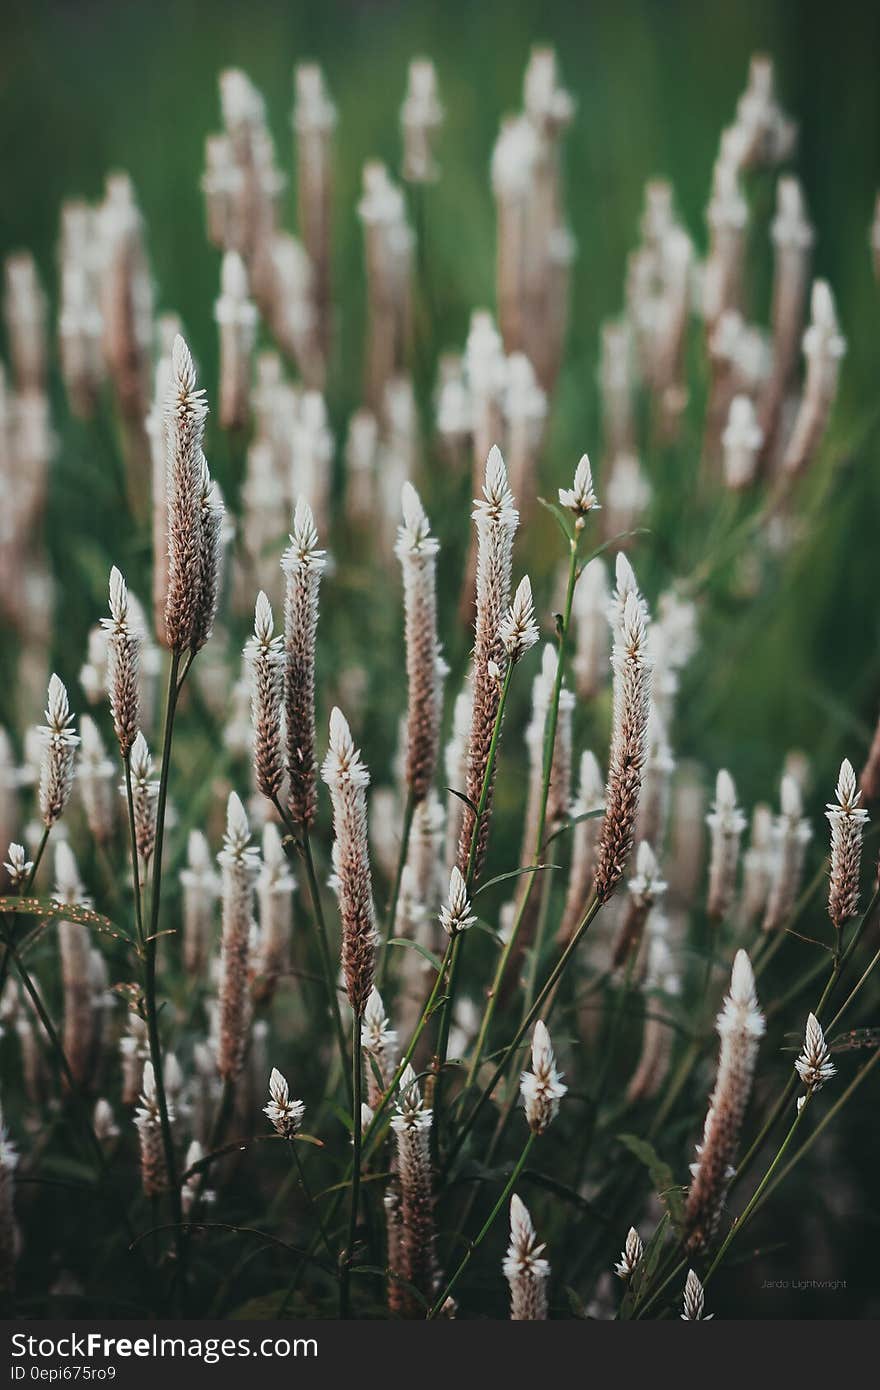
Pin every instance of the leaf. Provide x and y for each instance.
(567, 1194)
(462, 797)
(52, 910)
(514, 873)
(621, 536)
(573, 821)
(563, 521)
(422, 950)
(670, 1193)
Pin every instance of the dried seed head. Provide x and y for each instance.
(496, 520)
(285, 1114)
(647, 885)
(303, 565)
(541, 1088)
(518, 630)
(740, 1026)
(630, 1255)
(411, 1123)
(144, 795)
(265, 656)
(239, 861)
(455, 914)
(123, 661)
(580, 498)
(524, 1268)
(727, 823)
(629, 744)
(791, 834)
(58, 753)
(417, 551)
(185, 412)
(380, 1041)
(201, 888)
(97, 775)
(693, 1300)
(348, 778)
(814, 1066)
(847, 820)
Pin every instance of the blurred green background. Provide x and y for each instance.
(89, 87)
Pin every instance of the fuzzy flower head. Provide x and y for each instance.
(518, 630)
(414, 535)
(580, 498)
(377, 1035)
(59, 747)
(285, 1114)
(343, 766)
(741, 1012)
(410, 1112)
(237, 851)
(497, 502)
(455, 914)
(630, 1255)
(814, 1066)
(694, 1300)
(17, 865)
(524, 1250)
(647, 885)
(541, 1088)
(847, 820)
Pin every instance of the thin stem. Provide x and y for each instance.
(487, 1226)
(135, 867)
(324, 948)
(150, 967)
(408, 814)
(24, 889)
(309, 1198)
(449, 1002)
(299, 835)
(549, 984)
(741, 1221)
(357, 1091)
(792, 1082)
(826, 1120)
(549, 745)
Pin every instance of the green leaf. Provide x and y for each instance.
(53, 911)
(562, 519)
(514, 873)
(462, 797)
(670, 1193)
(573, 821)
(422, 950)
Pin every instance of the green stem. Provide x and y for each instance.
(135, 867)
(408, 814)
(549, 745)
(791, 1084)
(741, 1221)
(326, 958)
(357, 1091)
(487, 1226)
(151, 944)
(826, 1120)
(310, 1199)
(549, 984)
(25, 888)
(449, 1002)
